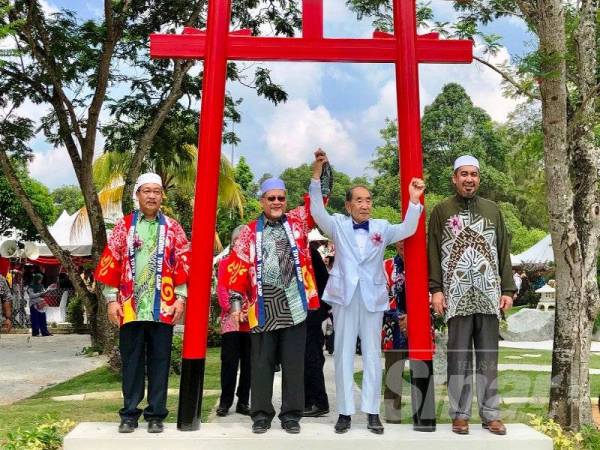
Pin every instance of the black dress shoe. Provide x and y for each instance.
(315, 411)
(155, 426)
(291, 426)
(241, 408)
(374, 424)
(222, 411)
(343, 424)
(261, 426)
(128, 426)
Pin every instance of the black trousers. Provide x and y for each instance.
(314, 381)
(38, 322)
(145, 348)
(235, 352)
(285, 346)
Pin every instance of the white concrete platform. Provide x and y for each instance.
(314, 436)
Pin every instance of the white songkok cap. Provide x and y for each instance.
(146, 178)
(465, 160)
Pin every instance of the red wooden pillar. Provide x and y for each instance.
(411, 165)
(205, 205)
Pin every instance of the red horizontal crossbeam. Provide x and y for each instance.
(255, 48)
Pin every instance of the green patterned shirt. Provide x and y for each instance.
(145, 270)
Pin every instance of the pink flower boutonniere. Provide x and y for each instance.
(376, 238)
(455, 224)
(137, 242)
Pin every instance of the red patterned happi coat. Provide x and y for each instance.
(241, 270)
(114, 268)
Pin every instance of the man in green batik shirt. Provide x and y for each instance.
(470, 279)
(144, 271)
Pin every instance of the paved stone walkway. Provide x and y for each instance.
(330, 418)
(30, 364)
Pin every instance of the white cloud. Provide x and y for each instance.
(300, 80)
(53, 168)
(48, 8)
(481, 83)
(296, 131)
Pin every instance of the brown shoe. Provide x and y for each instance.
(495, 426)
(460, 426)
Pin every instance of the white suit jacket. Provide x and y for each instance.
(350, 267)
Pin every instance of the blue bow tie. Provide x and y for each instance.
(364, 225)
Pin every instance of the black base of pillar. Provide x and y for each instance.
(422, 395)
(190, 394)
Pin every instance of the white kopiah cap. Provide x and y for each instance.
(146, 178)
(466, 160)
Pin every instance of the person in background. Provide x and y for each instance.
(6, 300)
(316, 401)
(394, 340)
(518, 282)
(235, 344)
(37, 306)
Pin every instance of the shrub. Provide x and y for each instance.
(591, 437)
(44, 436)
(75, 312)
(176, 349)
(214, 336)
(563, 440)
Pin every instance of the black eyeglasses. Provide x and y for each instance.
(280, 198)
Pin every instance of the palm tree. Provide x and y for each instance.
(178, 172)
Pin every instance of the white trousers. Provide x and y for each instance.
(350, 322)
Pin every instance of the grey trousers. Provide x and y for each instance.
(479, 331)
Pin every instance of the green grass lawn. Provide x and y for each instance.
(103, 379)
(531, 385)
(511, 383)
(41, 408)
(515, 309)
(544, 358)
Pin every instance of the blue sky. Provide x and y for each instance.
(339, 107)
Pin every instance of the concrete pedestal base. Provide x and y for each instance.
(314, 436)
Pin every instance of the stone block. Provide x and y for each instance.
(314, 436)
(530, 325)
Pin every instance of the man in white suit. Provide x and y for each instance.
(357, 289)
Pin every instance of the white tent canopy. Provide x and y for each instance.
(539, 253)
(77, 243)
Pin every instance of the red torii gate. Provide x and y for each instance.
(406, 50)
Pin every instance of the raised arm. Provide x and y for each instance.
(317, 207)
(409, 225)
(407, 228)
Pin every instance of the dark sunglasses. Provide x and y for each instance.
(280, 198)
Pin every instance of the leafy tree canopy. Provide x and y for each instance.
(13, 215)
(68, 198)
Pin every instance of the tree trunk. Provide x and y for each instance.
(179, 72)
(100, 332)
(574, 212)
